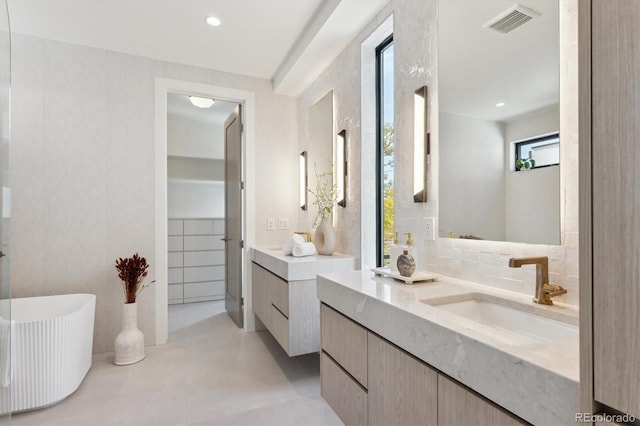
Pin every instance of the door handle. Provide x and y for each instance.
(225, 239)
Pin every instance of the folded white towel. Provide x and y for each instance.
(304, 249)
(287, 250)
(7, 331)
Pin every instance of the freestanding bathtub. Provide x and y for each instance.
(53, 343)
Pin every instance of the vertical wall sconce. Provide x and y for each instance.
(341, 167)
(420, 144)
(303, 180)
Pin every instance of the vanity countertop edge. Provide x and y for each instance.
(291, 268)
(538, 383)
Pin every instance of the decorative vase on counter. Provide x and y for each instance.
(325, 237)
(129, 344)
(406, 264)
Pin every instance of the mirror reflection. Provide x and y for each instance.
(320, 152)
(499, 120)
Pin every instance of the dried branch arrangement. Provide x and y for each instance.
(131, 271)
(326, 193)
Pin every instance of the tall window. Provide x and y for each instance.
(385, 150)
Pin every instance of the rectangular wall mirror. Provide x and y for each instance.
(321, 139)
(499, 88)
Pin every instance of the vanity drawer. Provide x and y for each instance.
(279, 293)
(345, 341)
(458, 406)
(279, 327)
(347, 398)
(260, 293)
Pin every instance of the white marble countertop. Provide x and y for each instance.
(535, 380)
(291, 268)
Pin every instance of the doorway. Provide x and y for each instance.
(197, 185)
(164, 89)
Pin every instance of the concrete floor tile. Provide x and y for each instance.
(210, 372)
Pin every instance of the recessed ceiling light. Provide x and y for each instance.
(213, 21)
(500, 104)
(201, 102)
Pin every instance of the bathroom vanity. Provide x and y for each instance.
(283, 291)
(447, 352)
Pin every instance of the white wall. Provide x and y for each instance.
(195, 167)
(471, 177)
(532, 197)
(83, 169)
(416, 38)
(188, 137)
(195, 199)
(536, 124)
(532, 212)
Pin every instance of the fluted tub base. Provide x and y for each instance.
(53, 344)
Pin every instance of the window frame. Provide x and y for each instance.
(518, 149)
(380, 49)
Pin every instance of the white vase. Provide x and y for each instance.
(129, 344)
(325, 237)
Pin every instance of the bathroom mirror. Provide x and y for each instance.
(498, 89)
(320, 147)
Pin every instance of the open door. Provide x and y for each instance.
(233, 188)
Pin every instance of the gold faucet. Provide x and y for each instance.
(544, 290)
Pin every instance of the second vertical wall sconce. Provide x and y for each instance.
(420, 144)
(341, 167)
(303, 180)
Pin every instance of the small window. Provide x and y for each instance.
(544, 151)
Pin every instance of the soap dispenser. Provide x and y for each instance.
(395, 250)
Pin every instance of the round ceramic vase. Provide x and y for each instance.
(325, 237)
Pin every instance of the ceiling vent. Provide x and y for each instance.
(511, 19)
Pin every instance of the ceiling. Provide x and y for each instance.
(479, 67)
(260, 38)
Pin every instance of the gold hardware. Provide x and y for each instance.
(544, 290)
(305, 234)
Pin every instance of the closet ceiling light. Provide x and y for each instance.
(500, 104)
(201, 102)
(213, 21)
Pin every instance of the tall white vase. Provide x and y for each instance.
(325, 237)
(129, 344)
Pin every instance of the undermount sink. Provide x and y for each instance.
(508, 316)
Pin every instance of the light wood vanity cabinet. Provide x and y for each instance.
(290, 310)
(260, 293)
(342, 392)
(458, 406)
(615, 200)
(368, 380)
(402, 389)
(345, 341)
(284, 296)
